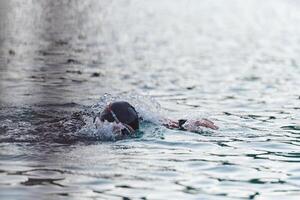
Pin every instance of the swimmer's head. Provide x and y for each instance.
(121, 111)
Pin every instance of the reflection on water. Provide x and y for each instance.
(236, 62)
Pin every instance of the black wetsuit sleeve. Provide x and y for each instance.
(180, 123)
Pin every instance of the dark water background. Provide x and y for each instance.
(235, 61)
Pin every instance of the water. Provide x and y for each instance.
(235, 62)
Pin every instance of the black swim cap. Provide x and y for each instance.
(123, 111)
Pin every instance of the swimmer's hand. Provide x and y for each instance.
(192, 125)
(170, 124)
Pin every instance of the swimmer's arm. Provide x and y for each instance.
(189, 125)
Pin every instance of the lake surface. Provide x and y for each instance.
(236, 62)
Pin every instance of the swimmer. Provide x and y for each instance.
(126, 120)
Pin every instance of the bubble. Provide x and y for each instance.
(105, 132)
